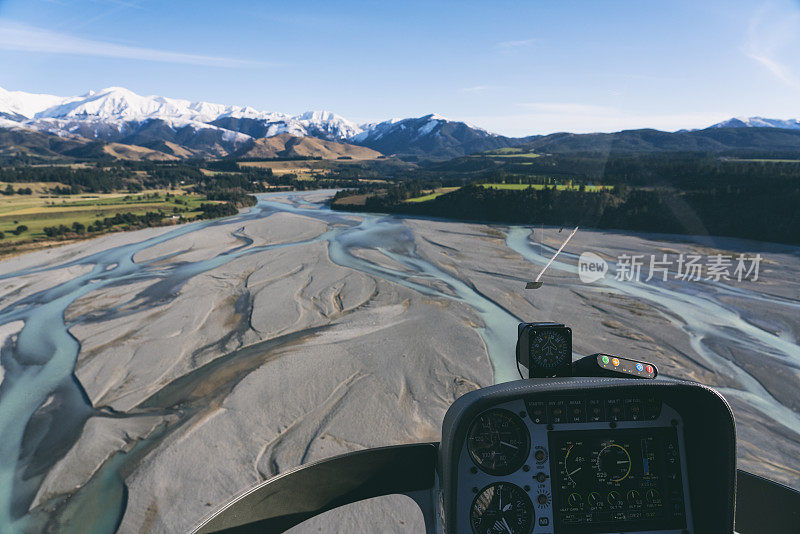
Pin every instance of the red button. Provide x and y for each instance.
(649, 368)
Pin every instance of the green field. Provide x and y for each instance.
(517, 187)
(762, 160)
(508, 153)
(560, 187)
(522, 155)
(433, 194)
(42, 210)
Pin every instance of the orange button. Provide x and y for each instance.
(615, 361)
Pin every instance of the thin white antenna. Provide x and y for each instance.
(536, 284)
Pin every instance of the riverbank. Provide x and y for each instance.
(43, 220)
(639, 209)
(289, 333)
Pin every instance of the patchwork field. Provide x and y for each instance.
(23, 218)
(430, 195)
(433, 194)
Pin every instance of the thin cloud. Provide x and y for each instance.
(569, 108)
(778, 69)
(515, 45)
(478, 89)
(772, 31)
(20, 37)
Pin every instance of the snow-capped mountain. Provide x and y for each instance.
(18, 105)
(120, 115)
(431, 136)
(758, 122)
(120, 104)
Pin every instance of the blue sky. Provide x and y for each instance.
(515, 68)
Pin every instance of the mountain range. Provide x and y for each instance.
(764, 141)
(118, 115)
(118, 122)
(758, 122)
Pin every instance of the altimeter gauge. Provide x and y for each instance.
(498, 442)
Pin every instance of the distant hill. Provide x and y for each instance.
(642, 141)
(23, 142)
(180, 128)
(430, 137)
(289, 146)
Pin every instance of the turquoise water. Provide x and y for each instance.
(702, 316)
(39, 367)
(43, 407)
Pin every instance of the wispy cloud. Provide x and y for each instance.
(515, 45)
(778, 69)
(478, 89)
(20, 37)
(772, 41)
(569, 108)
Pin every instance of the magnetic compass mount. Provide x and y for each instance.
(544, 349)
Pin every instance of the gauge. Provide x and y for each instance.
(550, 348)
(502, 507)
(545, 349)
(574, 500)
(615, 498)
(498, 442)
(576, 464)
(595, 500)
(653, 497)
(613, 463)
(634, 498)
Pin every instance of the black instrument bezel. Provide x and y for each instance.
(709, 433)
(525, 333)
(529, 504)
(523, 456)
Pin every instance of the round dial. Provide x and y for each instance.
(498, 442)
(576, 465)
(575, 500)
(549, 349)
(615, 498)
(634, 498)
(613, 463)
(653, 497)
(502, 507)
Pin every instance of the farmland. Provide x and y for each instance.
(25, 218)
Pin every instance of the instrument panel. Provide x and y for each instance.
(574, 465)
(615, 478)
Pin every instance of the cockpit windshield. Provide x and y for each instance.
(203, 284)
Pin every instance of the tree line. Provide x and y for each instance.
(682, 194)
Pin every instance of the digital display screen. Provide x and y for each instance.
(624, 479)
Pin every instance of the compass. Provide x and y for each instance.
(545, 349)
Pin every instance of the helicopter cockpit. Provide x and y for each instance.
(600, 445)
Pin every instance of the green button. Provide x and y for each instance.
(605, 359)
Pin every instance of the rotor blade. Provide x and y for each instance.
(564, 244)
